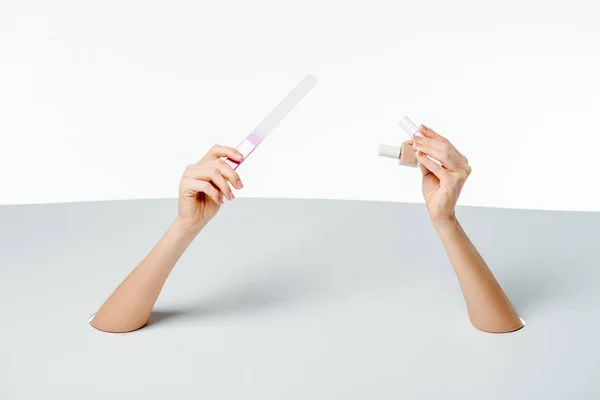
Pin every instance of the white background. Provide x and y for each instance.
(112, 99)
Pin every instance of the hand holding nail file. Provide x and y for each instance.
(273, 119)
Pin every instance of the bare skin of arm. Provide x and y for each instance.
(205, 184)
(201, 192)
(488, 306)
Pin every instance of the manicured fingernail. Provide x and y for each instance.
(240, 184)
(239, 155)
(417, 138)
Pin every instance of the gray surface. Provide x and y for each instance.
(332, 300)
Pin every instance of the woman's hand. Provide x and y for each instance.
(442, 184)
(203, 187)
(489, 308)
(201, 192)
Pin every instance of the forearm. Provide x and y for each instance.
(488, 307)
(130, 305)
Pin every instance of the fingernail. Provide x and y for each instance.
(240, 184)
(417, 138)
(239, 155)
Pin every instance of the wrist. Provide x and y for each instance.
(183, 230)
(443, 223)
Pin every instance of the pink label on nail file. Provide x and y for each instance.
(246, 147)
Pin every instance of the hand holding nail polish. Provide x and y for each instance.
(488, 306)
(442, 181)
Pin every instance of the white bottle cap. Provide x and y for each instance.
(411, 130)
(408, 126)
(389, 151)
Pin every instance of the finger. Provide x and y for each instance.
(198, 171)
(438, 150)
(424, 169)
(221, 183)
(210, 174)
(428, 165)
(430, 133)
(193, 186)
(218, 151)
(461, 160)
(230, 174)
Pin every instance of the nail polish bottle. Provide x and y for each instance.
(405, 153)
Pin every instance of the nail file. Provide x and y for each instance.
(273, 119)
